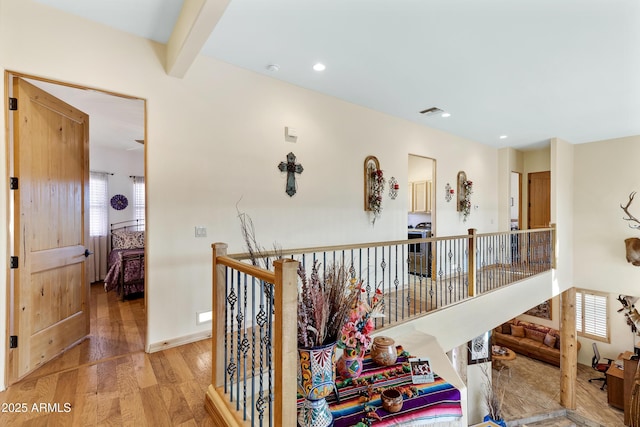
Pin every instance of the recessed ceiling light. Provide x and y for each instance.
(445, 114)
(319, 66)
(273, 67)
(503, 136)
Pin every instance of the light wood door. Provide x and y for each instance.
(50, 301)
(539, 212)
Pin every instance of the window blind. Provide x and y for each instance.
(138, 197)
(592, 315)
(98, 203)
(579, 311)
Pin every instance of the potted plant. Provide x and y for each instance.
(324, 301)
(325, 298)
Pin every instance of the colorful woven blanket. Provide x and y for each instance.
(359, 399)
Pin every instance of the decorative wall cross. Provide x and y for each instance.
(291, 168)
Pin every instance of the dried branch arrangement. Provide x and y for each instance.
(324, 298)
(493, 392)
(324, 302)
(258, 255)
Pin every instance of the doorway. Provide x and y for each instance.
(115, 123)
(421, 193)
(515, 201)
(539, 191)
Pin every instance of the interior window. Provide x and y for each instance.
(98, 204)
(592, 315)
(138, 197)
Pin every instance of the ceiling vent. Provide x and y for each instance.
(433, 111)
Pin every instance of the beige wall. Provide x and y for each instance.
(214, 141)
(605, 172)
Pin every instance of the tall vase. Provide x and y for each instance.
(501, 423)
(316, 380)
(350, 363)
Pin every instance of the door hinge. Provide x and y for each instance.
(13, 183)
(13, 104)
(14, 262)
(13, 341)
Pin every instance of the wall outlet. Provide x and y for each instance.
(201, 231)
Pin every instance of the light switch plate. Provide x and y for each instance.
(201, 231)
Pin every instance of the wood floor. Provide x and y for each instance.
(108, 380)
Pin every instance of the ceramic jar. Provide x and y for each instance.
(391, 400)
(350, 363)
(383, 351)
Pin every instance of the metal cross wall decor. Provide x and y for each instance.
(291, 168)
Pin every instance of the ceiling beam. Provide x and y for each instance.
(195, 24)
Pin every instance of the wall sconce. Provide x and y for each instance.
(448, 192)
(393, 188)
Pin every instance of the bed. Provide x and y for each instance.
(125, 271)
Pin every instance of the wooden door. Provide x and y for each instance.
(539, 246)
(50, 301)
(539, 213)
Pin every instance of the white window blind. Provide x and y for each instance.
(138, 197)
(98, 203)
(579, 312)
(592, 315)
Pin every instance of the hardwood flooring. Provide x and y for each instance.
(108, 380)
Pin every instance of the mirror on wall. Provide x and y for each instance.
(421, 193)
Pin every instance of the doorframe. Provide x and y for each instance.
(9, 75)
(519, 190)
(433, 185)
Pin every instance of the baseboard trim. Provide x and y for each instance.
(176, 342)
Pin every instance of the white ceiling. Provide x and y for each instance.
(529, 69)
(115, 122)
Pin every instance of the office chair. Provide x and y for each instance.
(600, 367)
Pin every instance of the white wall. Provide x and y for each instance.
(214, 140)
(122, 164)
(605, 172)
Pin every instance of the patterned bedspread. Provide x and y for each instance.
(430, 403)
(133, 271)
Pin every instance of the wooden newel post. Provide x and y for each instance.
(217, 320)
(285, 341)
(568, 349)
(472, 262)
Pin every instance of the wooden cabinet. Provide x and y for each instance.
(615, 387)
(420, 196)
